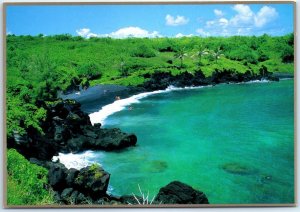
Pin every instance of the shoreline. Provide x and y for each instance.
(251, 82)
(71, 129)
(123, 103)
(119, 105)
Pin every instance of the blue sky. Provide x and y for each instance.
(120, 21)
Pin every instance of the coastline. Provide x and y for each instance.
(89, 135)
(116, 174)
(119, 105)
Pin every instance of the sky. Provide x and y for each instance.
(122, 21)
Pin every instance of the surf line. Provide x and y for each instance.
(121, 104)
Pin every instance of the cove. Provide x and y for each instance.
(233, 142)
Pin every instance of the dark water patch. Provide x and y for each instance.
(237, 168)
(156, 166)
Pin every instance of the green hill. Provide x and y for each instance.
(37, 67)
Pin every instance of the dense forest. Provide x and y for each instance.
(40, 66)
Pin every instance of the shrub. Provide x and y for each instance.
(287, 55)
(262, 57)
(91, 70)
(27, 182)
(63, 37)
(143, 51)
(244, 53)
(166, 45)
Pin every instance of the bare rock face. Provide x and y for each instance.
(179, 193)
(88, 184)
(68, 129)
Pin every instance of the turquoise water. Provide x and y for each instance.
(233, 142)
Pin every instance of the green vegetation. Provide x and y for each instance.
(37, 67)
(26, 182)
(94, 172)
(95, 169)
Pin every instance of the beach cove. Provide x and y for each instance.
(184, 134)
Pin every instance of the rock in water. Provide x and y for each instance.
(112, 139)
(236, 168)
(179, 193)
(92, 181)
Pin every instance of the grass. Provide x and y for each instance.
(26, 183)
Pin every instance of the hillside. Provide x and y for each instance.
(37, 67)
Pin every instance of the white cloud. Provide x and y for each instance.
(210, 23)
(8, 33)
(180, 35)
(244, 15)
(86, 33)
(133, 32)
(218, 12)
(202, 33)
(247, 16)
(125, 32)
(265, 15)
(223, 22)
(179, 20)
(244, 22)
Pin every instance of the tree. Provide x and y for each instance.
(217, 54)
(181, 54)
(123, 68)
(201, 51)
(287, 55)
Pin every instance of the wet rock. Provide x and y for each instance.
(112, 139)
(80, 198)
(20, 139)
(74, 197)
(92, 181)
(57, 197)
(78, 144)
(70, 176)
(37, 162)
(97, 125)
(57, 175)
(180, 193)
(66, 193)
(101, 139)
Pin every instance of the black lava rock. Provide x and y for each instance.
(180, 193)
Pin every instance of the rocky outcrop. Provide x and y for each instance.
(179, 193)
(161, 80)
(68, 129)
(92, 181)
(89, 186)
(95, 138)
(72, 186)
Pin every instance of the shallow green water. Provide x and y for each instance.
(233, 142)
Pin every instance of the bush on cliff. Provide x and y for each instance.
(26, 183)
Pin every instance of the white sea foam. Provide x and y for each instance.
(118, 105)
(257, 81)
(78, 160)
(287, 78)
